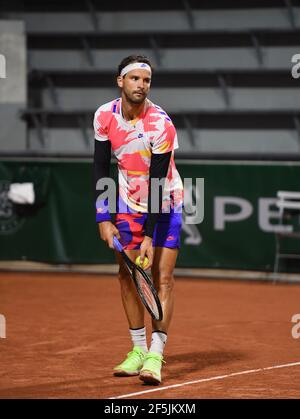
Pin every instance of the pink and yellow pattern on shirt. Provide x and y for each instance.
(133, 144)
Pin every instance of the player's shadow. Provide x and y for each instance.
(182, 364)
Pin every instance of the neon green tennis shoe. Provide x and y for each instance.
(132, 364)
(151, 371)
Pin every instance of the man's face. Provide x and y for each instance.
(135, 85)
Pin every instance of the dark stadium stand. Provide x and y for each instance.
(192, 39)
(82, 6)
(219, 75)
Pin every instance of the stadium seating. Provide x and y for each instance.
(222, 71)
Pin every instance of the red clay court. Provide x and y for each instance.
(228, 339)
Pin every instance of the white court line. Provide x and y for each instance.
(203, 380)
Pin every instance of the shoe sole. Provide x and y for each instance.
(121, 373)
(149, 379)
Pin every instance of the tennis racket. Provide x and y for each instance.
(143, 283)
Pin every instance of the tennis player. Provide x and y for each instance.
(142, 138)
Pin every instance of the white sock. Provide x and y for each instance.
(158, 341)
(138, 337)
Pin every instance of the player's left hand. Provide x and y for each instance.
(146, 250)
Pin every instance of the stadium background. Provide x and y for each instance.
(224, 73)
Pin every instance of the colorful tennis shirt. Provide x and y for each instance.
(132, 143)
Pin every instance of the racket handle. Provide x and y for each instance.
(117, 245)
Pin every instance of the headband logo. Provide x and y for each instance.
(135, 66)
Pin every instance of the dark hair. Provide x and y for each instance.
(133, 59)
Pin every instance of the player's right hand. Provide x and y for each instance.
(107, 232)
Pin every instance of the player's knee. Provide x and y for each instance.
(165, 282)
(125, 284)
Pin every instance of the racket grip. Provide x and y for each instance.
(117, 245)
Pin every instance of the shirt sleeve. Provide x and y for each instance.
(102, 157)
(166, 141)
(99, 127)
(158, 170)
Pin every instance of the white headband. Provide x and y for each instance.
(134, 66)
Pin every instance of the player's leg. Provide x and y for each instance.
(130, 228)
(135, 315)
(162, 274)
(163, 278)
(166, 241)
(132, 304)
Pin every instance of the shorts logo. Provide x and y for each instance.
(170, 238)
(10, 222)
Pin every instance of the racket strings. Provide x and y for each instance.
(147, 293)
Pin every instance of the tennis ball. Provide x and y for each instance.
(138, 262)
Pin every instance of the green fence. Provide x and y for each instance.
(237, 232)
